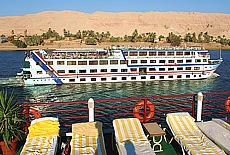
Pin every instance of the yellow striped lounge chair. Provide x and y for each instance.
(87, 139)
(130, 137)
(42, 138)
(189, 136)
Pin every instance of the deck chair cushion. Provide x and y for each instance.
(87, 138)
(187, 133)
(42, 138)
(130, 137)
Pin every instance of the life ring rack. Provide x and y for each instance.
(32, 111)
(137, 107)
(227, 104)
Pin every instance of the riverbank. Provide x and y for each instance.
(73, 44)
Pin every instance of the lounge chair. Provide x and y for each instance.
(130, 137)
(189, 136)
(218, 131)
(87, 138)
(42, 138)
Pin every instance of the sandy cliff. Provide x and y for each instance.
(119, 24)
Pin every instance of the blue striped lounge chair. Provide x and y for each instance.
(87, 139)
(42, 138)
(130, 137)
(189, 136)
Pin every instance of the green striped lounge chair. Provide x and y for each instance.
(130, 137)
(186, 132)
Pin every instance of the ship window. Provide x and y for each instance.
(143, 77)
(179, 53)
(161, 53)
(142, 53)
(152, 69)
(133, 78)
(49, 72)
(61, 71)
(186, 53)
(170, 69)
(152, 53)
(133, 61)
(103, 62)
(179, 76)
(82, 71)
(93, 79)
(60, 63)
(132, 53)
(103, 79)
(188, 61)
(71, 80)
(152, 61)
(113, 62)
(71, 62)
(93, 70)
(95, 62)
(170, 53)
(179, 61)
(161, 77)
(161, 69)
(72, 71)
(187, 76)
(198, 60)
(103, 70)
(143, 61)
(152, 77)
(124, 70)
(39, 63)
(194, 75)
(114, 78)
(82, 62)
(39, 72)
(179, 68)
(161, 61)
(199, 75)
(126, 53)
(113, 70)
(142, 70)
(123, 78)
(196, 68)
(123, 61)
(171, 61)
(49, 62)
(170, 76)
(133, 69)
(188, 68)
(82, 79)
(204, 60)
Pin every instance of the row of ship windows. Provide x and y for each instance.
(141, 70)
(132, 78)
(116, 62)
(150, 53)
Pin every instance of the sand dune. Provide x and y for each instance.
(120, 23)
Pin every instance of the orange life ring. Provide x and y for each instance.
(227, 104)
(138, 106)
(33, 112)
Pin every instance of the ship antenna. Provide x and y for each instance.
(220, 55)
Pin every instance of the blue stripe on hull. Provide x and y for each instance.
(45, 68)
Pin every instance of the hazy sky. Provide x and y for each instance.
(21, 7)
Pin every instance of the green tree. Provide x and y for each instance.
(134, 36)
(90, 41)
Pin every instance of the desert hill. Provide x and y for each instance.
(118, 24)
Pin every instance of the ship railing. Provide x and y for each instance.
(106, 110)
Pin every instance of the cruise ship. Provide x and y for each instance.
(68, 66)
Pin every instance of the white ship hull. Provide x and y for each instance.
(90, 66)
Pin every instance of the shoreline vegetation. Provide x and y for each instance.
(51, 40)
(73, 44)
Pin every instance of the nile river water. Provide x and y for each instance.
(12, 61)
